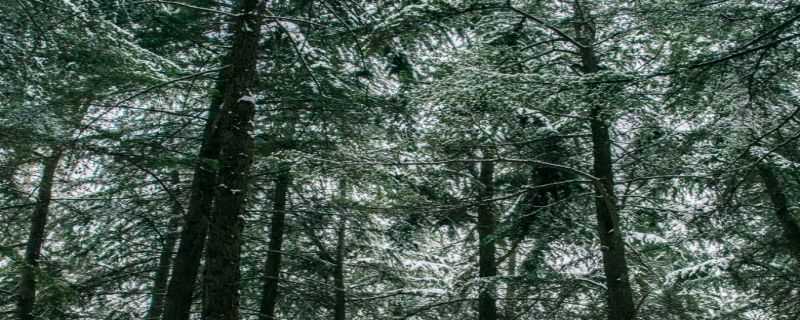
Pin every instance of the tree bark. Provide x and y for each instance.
(620, 294)
(272, 267)
(26, 290)
(180, 291)
(156, 308)
(791, 229)
(511, 289)
(222, 277)
(340, 296)
(487, 266)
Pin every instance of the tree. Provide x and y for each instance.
(26, 290)
(234, 134)
(67, 104)
(272, 267)
(414, 159)
(615, 265)
(156, 308)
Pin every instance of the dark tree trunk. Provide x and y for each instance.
(511, 289)
(222, 275)
(487, 266)
(791, 229)
(272, 267)
(619, 294)
(180, 290)
(158, 295)
(340, 296)
(26, 290)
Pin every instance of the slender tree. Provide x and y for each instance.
(340, 294)
(26, 289)
(619, 295)
(487, 296)
(180, 290)
(156, 308)
(272, 267)
(510, 311)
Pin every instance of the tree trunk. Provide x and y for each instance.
(619, 295)
(511, 289)
(222, 277)
(791, 229)
(180, 290)
(487, 304)
(158, 295)
(340, 307)
(272, 268)
(26, 290)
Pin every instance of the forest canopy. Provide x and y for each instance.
(399, 159)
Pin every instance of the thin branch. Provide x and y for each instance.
(186, 5)
(743, 52)
(775, 148)
(557, 31)
(538, 43)
(169, 82)
(300, 55)
(665, 177)
(204, 9)
(771, 131)
(172, 113)
(777, 28)
(449, 161)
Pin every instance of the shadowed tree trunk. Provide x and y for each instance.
(511, 289)
(791, 229)
(26, 289)
(272, 267)
(181, 286)
(619, 294)
(156, 307)
(487, 266)
(340, 296)
(221, 281)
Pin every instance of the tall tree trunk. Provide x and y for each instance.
(511, 289)
(272, 267)
(180, 290)
(158, 295)
(791, 229)
(26, 290)
(222, 277)
(487, 266)
(619, 294)
(340, 296)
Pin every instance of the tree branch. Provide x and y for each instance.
(556, 30)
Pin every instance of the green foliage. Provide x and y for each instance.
(383, 111)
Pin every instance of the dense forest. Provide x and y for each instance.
(399, 159)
